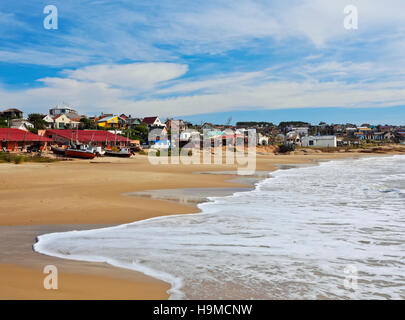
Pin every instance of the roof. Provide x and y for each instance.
(87, 135)
(149, 120)
(107, 118)
(12, 110)
(11, 134)
(320, 137)
(14, 121)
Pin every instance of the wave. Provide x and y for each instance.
(293, 237)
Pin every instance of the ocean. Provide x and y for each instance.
(331, 231)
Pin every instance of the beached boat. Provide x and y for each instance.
(123, 153)
(80, 151)
(58, 151)
(98, 151)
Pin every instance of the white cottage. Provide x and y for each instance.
(319, 141)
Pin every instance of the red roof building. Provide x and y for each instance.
(16, 140)
(96, 137)
(153, 122)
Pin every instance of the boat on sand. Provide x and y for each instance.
(116, 152)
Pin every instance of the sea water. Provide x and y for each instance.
(331, 231)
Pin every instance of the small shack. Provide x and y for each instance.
(319, 141)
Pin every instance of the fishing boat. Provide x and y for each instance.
(80, 151)
(115, 152)
(58, 151)
(98, 151)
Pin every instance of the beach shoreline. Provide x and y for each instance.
(120, 283)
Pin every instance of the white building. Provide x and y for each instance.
(21, 124)
(302, 131)
(319, 141)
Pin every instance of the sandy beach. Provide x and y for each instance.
(42, 198)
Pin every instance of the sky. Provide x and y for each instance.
(207, 60)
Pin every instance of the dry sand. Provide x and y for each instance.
(42, 198)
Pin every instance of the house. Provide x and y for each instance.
(210, 126)
(389, 136)
(11, 114)
(60, 121)
(153, 122)
(293, 138)
(99, 138)
(156, 135)
(383, 136)
(175, 125)
(21, 124)
(19, 140)
(262, 140)
(189, 135)
(124, 116)
(49, 122)
(302, 131)
(66, 110)
(111, 122)
(133, 122)
(319, 141)
(364, 133)
(400, 135)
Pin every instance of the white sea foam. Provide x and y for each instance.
(290, 238)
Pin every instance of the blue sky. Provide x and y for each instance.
(207, 60)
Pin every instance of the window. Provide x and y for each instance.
(311, 142)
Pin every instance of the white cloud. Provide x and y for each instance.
(92, 33)
(236, 91)
(139, 76)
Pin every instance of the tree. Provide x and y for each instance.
(86, 123)
(3, 123)
(140, 132)
(37, 120)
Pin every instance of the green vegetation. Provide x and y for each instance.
(284, 148)
(37, 120)
(293, 124)
(6, 157)
(260, 124)
(140, 132)
(87, 124)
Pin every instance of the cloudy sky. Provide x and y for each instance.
(207, 60)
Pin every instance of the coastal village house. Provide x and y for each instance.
(21, 124)
(66, 110)
(157, 134)
(111, 121)
(60, 121)
(99, 138)
(319, 141)
(293, 137)
(62, 117)
(19, 140)
(262, 140)
(175, 125)
(11, 114)
(153, 122)
(132, 123)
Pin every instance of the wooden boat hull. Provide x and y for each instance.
(58, 151)
(117, 154)
(79, 154)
